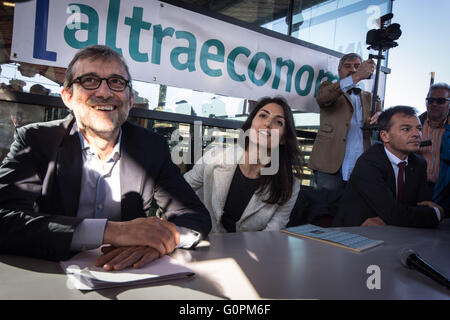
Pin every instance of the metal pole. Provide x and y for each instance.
(379, 57)
(377, 77)
(289, 16)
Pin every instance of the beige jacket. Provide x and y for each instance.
(215, 175)
(336, 112)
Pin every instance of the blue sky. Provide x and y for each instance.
(423, 47)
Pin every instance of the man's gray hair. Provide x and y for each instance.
(348, 56)
(440, 85)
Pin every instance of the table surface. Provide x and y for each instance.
(263, 265)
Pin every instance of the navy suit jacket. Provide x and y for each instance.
(371, 192)
(40, 183)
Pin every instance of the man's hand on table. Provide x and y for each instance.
(114, 259)
(137, 242)
(152, 232)
(373, 222)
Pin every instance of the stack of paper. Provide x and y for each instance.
(83, 275)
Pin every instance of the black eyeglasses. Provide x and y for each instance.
(92, 82)
(437, 100)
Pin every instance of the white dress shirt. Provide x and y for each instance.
(354, 147)
(99, 196)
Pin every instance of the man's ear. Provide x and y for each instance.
(384, 136)
(66, 96)
(131, 100)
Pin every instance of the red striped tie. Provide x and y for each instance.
(400, 182)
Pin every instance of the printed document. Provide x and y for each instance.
(83, 275)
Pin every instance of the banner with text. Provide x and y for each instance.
(165, 44)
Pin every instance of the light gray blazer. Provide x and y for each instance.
(214, 172)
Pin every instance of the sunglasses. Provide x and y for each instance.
(437, 100)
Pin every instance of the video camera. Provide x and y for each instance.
(381, 39)
(384, 38)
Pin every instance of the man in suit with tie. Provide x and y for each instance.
(344, 109)
(389, 182)
(89, 179)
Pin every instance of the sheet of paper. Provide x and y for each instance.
(83, 275)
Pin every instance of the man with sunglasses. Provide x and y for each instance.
(77, 183)
(433, 122)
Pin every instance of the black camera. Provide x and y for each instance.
(384, 38)
(381, 40)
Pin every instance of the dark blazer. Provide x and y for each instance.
(371, 192)
(40, 182)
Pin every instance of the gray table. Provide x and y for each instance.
(266, 265)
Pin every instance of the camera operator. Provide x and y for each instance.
(344, 109)
(433, 122)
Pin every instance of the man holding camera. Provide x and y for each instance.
(344, 109)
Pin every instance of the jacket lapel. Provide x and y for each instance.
(366, 105)
(255, 204)
(350, 104)
(131, 174)
(68, 168)
(222, 177)
(390, 179)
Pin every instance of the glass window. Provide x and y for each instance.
(337, 24)
(270, 14)
(14, 115)
(31, 78)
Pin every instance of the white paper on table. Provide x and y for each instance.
(83, 275)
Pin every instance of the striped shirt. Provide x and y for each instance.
(432, 153)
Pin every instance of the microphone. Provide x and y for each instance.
(412, 260)
(425, 143)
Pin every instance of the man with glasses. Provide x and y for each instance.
(433, 122)
(87, 180)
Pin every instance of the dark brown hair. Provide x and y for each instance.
(280, 184)
(384, 120)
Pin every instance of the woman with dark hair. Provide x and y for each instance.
(253, 185)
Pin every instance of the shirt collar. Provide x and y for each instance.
(393, 158)
(441, 125)
(86, 148)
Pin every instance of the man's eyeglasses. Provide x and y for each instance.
(437, 100)
(92, 82)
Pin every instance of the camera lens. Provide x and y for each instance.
(393, 31)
